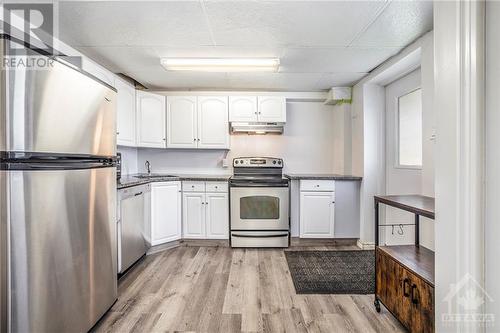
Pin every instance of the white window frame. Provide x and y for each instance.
(396, 159)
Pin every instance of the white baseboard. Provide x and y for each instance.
(365, 245)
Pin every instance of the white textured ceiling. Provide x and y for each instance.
(320, 43)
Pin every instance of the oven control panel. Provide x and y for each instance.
(257, 162)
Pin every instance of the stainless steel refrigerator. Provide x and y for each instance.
(57, 199)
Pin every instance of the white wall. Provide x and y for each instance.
(311, 143)
(492, 216)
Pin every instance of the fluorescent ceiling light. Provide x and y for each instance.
(221, 64)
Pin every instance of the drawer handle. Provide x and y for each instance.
(414, 296)
(406, 282)
(139, 193)
(317, 185)
(216, 186)
(192, 186)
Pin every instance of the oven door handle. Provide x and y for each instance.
(259, 236)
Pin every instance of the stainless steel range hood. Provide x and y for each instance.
(257, 128)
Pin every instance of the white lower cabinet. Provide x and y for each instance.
(166, 212)
(217, 216)
(317, 211)
(193, 215)
(205, 214)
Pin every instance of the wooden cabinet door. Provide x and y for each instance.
(150, 120)
(217, 216)
(126, 117)
(165, 212)
(182, 122)
(193, 215)
(243, 108)
(316, 214)
(271, 108)
(422, 313)
(405, 314)
(388, 282)
(213, 124)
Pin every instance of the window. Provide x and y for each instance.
(410, 130)
(259, 208)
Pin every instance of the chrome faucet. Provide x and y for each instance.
(148, 167)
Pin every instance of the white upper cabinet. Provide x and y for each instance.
(213, 124)
(151, 124)
(166, 213)
(182, 122)
(197, 122)
(271, 108)
(98, 71)
(257, 109)
(243, 108)
(126, 116)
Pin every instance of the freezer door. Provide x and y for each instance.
(62, 248)
(57, 110)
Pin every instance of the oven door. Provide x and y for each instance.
(259, 208)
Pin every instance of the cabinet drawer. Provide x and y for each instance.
(193, 186)
(317, 185)
(216, 187)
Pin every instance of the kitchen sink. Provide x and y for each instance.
(153, 176)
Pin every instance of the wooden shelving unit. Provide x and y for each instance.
(405, 273)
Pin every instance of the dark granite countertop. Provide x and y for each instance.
(321, 176)
(134, 180)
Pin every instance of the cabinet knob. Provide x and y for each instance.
(194, 139)
(164, 139)
(206, 203)
(117, 133)
(216, 186)
(317, 185)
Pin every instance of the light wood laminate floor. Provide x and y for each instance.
(219, 289)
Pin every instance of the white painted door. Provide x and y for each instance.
(165, 212)
(242, 108)
(271, 108)
(126, 116)
(217, 215)
(213, 124)
(193, 215)
(150, 120)
(317, 214)
(182, 122)
(400, 179)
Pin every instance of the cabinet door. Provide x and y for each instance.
(165, 212)
(422, 310)
(150, 120)
(213, 124)
(182, 122)
(126, 116)
(389, 282)
(193, 215)
(217, 215)
(243, 108)
(271, 108)
(316, 214)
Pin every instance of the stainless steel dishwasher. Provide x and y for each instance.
(133, 225)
